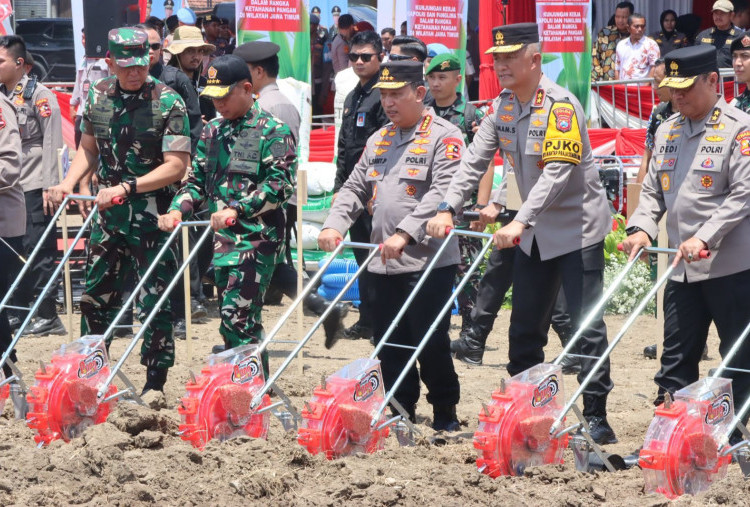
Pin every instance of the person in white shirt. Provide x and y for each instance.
(635, 56)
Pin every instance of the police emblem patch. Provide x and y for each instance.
(707, 181)
(411, 190)
(563, 118)
(665, 182)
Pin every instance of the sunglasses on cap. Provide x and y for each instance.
(366, 57)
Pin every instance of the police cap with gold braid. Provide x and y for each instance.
(509, 38)
(684, 65)
(400, 73)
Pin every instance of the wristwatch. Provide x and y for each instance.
(444, 206)
(633, 229)
(132, 184)
(235, 205)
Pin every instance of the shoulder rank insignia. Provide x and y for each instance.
(539, 98)
(715, 115)
(426, 122)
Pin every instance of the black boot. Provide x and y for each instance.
(334, 323)
(155, 379)
(595, 412)
(444, 418)
(570, 365)
(469, 347)
(411, 410)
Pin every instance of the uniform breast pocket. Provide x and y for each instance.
(23, 127)
(413, 181)
(706, 174)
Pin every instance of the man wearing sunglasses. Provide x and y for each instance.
(363, 116)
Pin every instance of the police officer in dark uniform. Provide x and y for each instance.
(363, 116)
(403, 173)
(700, 176)
(721, 34)
(563, 220)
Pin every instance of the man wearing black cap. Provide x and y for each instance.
(402, 175)
(721, 34)
(564, 218)
(741, 63)
(243, 170)
(700, 176)
(212, 29)
(263, 62)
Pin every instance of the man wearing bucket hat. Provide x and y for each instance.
(700, 176)
(403, 173)
(243, 170)
(136, 140)
(189, 54)
(563, 220)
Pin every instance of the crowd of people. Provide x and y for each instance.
(178, 131)
(622, 51)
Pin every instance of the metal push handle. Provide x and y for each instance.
(623, 330)
(164, 297)
(61, 265)
(435, 323)
(374, 249)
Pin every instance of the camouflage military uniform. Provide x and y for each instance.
(463, 115)
(248, 164)
(132, 132)
(742, 101)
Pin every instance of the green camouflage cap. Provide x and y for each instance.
(128, 46)
(443, 62)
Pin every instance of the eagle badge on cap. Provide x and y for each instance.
(499, 39)
(211, 73)
(386, 75)
(674, 67)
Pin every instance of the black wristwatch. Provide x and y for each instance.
(444, 206)
(235, 205)
(132, 184)
(633, 229)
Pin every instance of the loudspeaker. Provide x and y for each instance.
(99, 17)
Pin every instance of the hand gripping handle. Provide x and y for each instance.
(703, 254)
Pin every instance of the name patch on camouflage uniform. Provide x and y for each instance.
(562, 141)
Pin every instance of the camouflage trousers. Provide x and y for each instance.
(241, 289)
(112, 258)
(468, 249)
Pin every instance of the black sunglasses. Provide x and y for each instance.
(366, 57)
(156, 45)
(396, 58)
